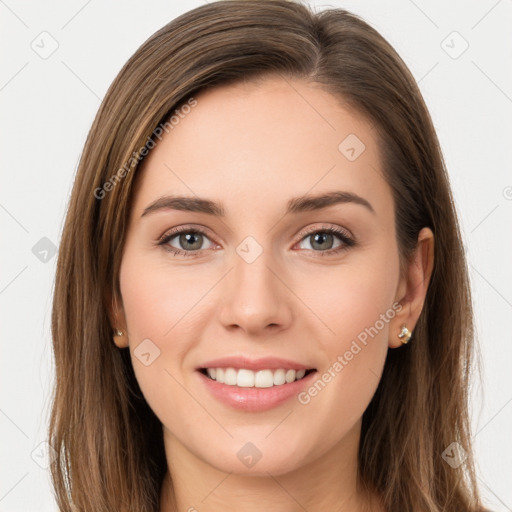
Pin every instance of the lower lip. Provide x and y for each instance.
(255, 399)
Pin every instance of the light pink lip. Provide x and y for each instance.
(263, 363)
(255, 399)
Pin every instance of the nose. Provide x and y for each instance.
(255, 297)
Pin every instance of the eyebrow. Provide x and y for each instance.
(294, 205)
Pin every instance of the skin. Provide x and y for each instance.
(238, 146)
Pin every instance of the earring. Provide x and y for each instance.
(119, 333)
(405, 334)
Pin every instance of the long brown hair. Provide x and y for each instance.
(109, 443)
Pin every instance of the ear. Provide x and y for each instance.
(413, 286)
(117, 319)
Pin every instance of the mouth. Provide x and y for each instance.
(254, 384)
(264, 378)
(254, 390)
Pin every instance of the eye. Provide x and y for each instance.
(189, 241)
(323, 240)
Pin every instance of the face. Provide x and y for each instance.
(259, 286)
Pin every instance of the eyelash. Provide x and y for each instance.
(341, 234)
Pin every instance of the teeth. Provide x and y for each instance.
(245, 378)
(230, 376)
(263, 379)
(300, 374)
(290, 375)
(279, 377)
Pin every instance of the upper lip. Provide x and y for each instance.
(263, 363)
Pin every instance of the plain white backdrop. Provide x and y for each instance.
(59, 59)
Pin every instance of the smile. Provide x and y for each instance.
(246, 378)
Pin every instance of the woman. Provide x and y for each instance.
(261, 297)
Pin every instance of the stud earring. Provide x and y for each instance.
(405, 335)
(119, 333)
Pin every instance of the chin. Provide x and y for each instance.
(256, 460)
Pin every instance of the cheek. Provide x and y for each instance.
(155, 306)
(356, 307)
(166, 306)
(352, 298)
(157, 301)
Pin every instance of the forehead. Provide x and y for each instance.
(260, 143)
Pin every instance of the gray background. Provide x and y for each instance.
(48, 103)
